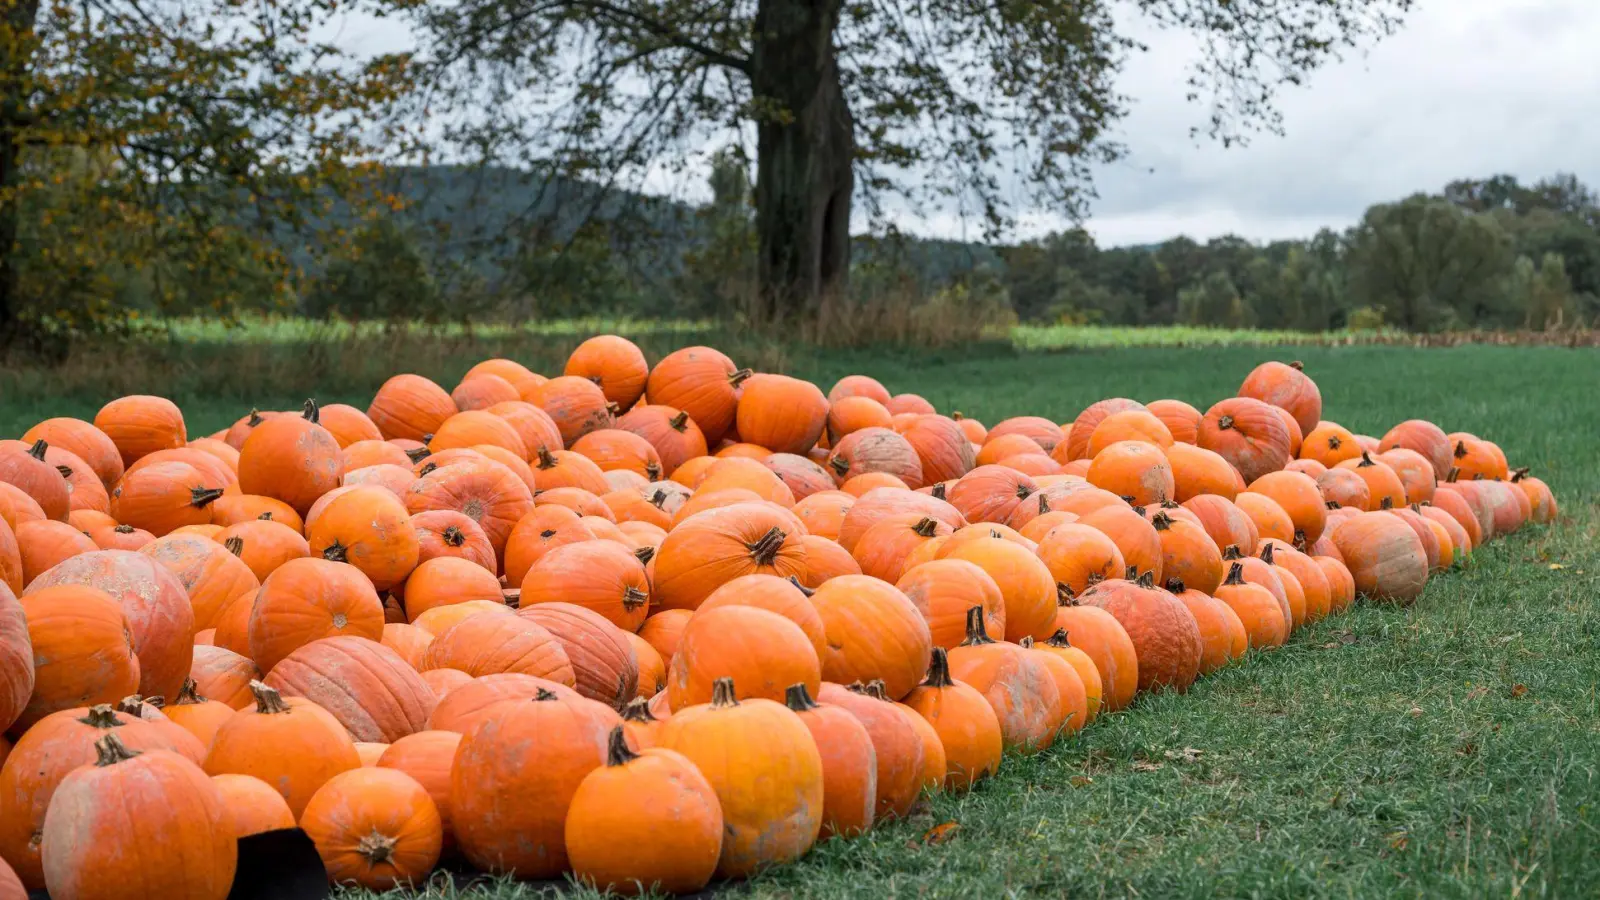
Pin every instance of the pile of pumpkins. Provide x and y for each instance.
(644, 625)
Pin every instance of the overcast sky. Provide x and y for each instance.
(1466, 88)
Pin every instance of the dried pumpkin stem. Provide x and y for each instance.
(618, 753)
(453, 537)
(1059, 639)
(1235, 574)
(38, 449)
(1065, 596)
(638, 710)
(418, 454)
(376, 848)
(311, 413)
(268, 701)
(336, 552)
(110, 750)
(795, 580)
(1175, 585)
(679, 422)
(203, 497)
(633, 598)
(234, 545)
(722, 694)
(645, 554)
(547, 460)
(765, 550)
(927, 527)
(976, 634)
(188, 694)
(939, 670)
(798, 698)
(101, 715)
(839, 464)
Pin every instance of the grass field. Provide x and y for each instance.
(1451, 749)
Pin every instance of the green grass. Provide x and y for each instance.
(1448, 749)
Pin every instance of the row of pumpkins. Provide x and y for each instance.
(649, 626)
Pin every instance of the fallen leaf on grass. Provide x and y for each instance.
(1517, 690)
(1478, 693)
(1415, 711)
(1187, 754)
(1398, 840)
(1556, 567)
(1079, 781)
(941, 833)
(1144, 765)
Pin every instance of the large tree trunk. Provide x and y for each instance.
(17, 45)
(805, 148)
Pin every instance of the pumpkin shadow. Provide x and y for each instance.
(279, 865)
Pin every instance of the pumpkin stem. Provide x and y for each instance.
(268, 701)
(722, 694)
(659, 499)
(939, 491)
(1519, 474)
(1330, 504)
(547, 460)
(645, 554)
(765, 550)
(1386, 503)
(679, 422)
(66, 471)
(652, 470)
(234, 545)
(739, 377)
(1128, 499)
(203, 497)
(1044, 503)
(1266, 555)
(311, 413)
(939, 670)
(124, 529)
(255, 418)
(1131, 574)
(877, 690)
(264, 517)
(797, 698)
(927, 527)
(1334, 443)
(1175, 585)
(544, 695)
(1059, 639)
(336, 552)
(453, 537)
(617, 751)
(633, 598)
(188, 694)
(376, 848)
(1026, 643)
(1024, 491)
(418, 454)
(1064, 595)
(976, 635)
(1147, 580)
(1366, 460)
(795, 580)
(637, 710)
(512, 597)
(102, 716)
(1461, 449)
(1235, 574)
(1161, 521)
(1299, 539)
(1092, 579)
(1298, 366)
(1225, 422)
(839, 464)
(110, 750)
(1453, 475)
(38, 449)
(957, 415)
(1231, 552)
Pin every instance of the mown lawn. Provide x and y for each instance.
(1449, 749)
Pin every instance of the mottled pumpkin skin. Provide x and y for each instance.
(366, 686)
(292, 459)
(105, 818)
(1386, 559)
(1163, 631)
(140, 425)
(16, 658)
(1249, 434)
(82, 652)
(307, 600)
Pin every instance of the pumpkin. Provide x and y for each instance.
(23, 466)
(1271, 520)
(481, 391)
(250, 806)
(447, 580)
(1476, 458)
(711, 548)
(16, 659)
(1343, 487)
(1103, 639)
(212, 574)
(881, 503)
(943, 590)
(874, 633)
(783, 414)
(674, 435)
(1059, 646)
(540, 747)
(426, 757)
(82, 651)
(1222, 635)
(1018, 686)
(83, 440)
(230, 510)
(851, 414)
(139, 425)
(1133, 469)
(1341, 586)
(614, 364)
(516, 374)
(1415, 473)
(943, 451)
(1084, 425)
(763, 652)
(908, 404)
(1074, 693)
(1027, 586)
(410, 407)
(197, 715)
(1287, 387)
(849, 763)
(370, 529)
(484, 491)
(1384, 488)
(1424, 438)
(496, 643)
(1330, 444)
(1541, 500)
(991, 493)
(223, 675)
(883, 550)
(1385, 556)
(264, 545)
(1299, 497)
(1134, 535)
(1188, 553)
(603, 662)
(965, 722)
(1197, 471)
(44, 544)
(1248, 434)
(477, 427)
(105, 817)
(307, 600)
(1307, 574)
(600, 575)
(1181, 419)
(1137, 425)
(1164, 633)
(1000, 447)
(878, 450)
(365, 686)
(374, 827)
(858, 386)
(11, 572)
(1079, 555)
(577, 406)
(1258, 611)
(292, 744)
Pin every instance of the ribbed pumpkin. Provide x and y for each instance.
(1415, 472)
(1135, 470)
(374, 827)
(291, 744)
(1133, 535)
(23, 466)
(163, 497)
(943, 590)
(157, 610)
(714, 547)
(16, 658)
(1197, 471)
(849, 763)
(448, 580)
(1082, 663)
(613, 363)
(1222, 635)
(874, 633)
(603, 662)
(1257, 609)
(1084, 425)
(1313, 583)
(1129, 425)
(82, 651)
(476, 427)
(941, 446)
(223, 675)
(139, 425)
(370, 529)
(1018, 686)
(307, 600)
(965, 722)
(602, 576)
(1181, 419)
(851, 414)
(1424, 438)
(1341, 587)
(881, 503)
(427, 757)
(991, 493)
(672, 432)
(1542, 507)
(876, 450)
(1287, 387)
(1027, 587)
(481, 391)
(577, 406)
(883, 550)
(230, 510)
(1385, 557)
(897, 747)
(366, 686)
(196, 714)
(1384, 488)
(1343, 487)
(495, 643)
(212, 574)
(484, 491)
(541, 747)
(761, 651)
(44, 544)
(1188, 553)
(250, 806)
(1298, 495)
(85, 441)
(515, 373)
(783, 414)
(1248, 434)
(1163, 632)
(106, 817)
(1074, 693)
(410, 407)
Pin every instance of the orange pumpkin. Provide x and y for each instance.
(1271, 520)
(309, 599)
(1248, 434)
(231, 510)
(1343, 487)
(83, 440)
(965, 722)
(851, 414)
(1103, 639)
(250, 805)
(849, 763)
(1287, 387)
(291, 744)
(711, 548)
(45, 544)
(197, 715)
(672, 432)
(81, 651)
(411, 407)
(1422, 437)
(1135, 470)
(212, 574)
(1386, 558)
(264, 545)
(427, 756)
(1164, 633)
(364, 685)
(370, 529)
(603, 662)
(291, 458)
(1188, 553)
(1084, 425)
(140, 425)
(484, 491)
(874, 633)
(783, 414)
(611, 449)
(223, 675)
(1074, 693)
(1329, 444)
(942, 448)
(475, 427)
(1129, 425)
(1134, 536)
(762, 652)
(481, 391)
(1027, 587)
(1415, 472)
(991, 493)
(1384, 488)
(943, 590)
(613, 363)
(516, 374)
(1018, 686)
(374, 827)
(875, 450)
(497, 643)
(1181, 419)
(1257, 610)
(1079, 555)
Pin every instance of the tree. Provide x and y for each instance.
(209, 128)
(953, 99)
(1426, 263)
(1214, 301)
(1549, 301)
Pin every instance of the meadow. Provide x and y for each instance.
(1447, 749)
